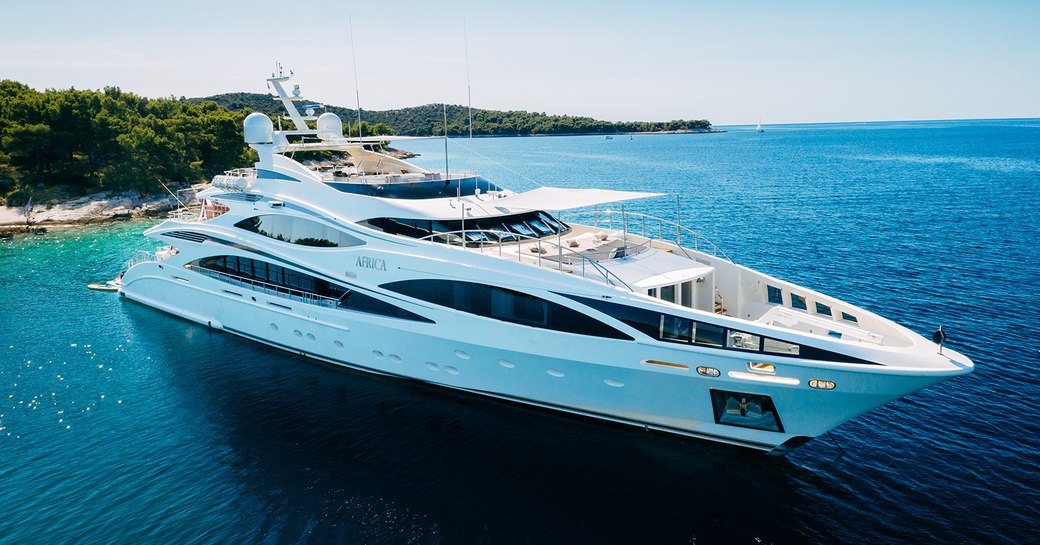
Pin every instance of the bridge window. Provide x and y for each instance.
(487, 229)
(823, 309)
(798, 302)
(298, 230)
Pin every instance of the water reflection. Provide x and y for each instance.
(328, 454)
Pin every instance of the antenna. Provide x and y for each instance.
(174, 195)
(469, 94)
(357, 94)
(444, 106)
(447, 177)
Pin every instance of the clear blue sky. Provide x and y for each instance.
(729, 62)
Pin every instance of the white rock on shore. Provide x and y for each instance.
(92, 208)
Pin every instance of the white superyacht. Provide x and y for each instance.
(383, 266)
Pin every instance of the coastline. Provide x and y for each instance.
(95, 208)
(110, 206)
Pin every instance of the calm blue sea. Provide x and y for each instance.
(120, 424)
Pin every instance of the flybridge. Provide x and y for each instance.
(327, 135)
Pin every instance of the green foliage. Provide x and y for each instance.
(74, 142)
(68, 141)
(428, 120)
(18, 197)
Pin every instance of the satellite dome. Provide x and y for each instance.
(258, 128)
(330, 127)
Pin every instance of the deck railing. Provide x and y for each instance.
(186, 215)
(270, 289)
(144, 256)
(634, 222)
(455, 239)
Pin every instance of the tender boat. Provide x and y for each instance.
(380, 265)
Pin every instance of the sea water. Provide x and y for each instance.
(121, 424)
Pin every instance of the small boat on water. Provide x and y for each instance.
(111, 285)
(758, 128)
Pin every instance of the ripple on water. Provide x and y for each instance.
(127, 425)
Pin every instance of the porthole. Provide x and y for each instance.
(378, 355)
(338, 344)
(310, 336)
(462, 355)
(274, 326)
(822, 384)
(554, 373)
(614, 383)
(507, 364)
(708, 371)
(432, 366)
(297, 332)
(395, 358)
(451, 370)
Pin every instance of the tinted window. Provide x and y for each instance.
(491, 229)
(849, 317)
(506, 305)
(743, 341)
(710, 335)
(666, 327)
(776, 296)
(675, 328)
(774, 346)
(798, 301)
(645, 321)
(823, 309)
(278, 280)
(430, 189)
(296, 230)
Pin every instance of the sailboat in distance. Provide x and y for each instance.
(758, 128)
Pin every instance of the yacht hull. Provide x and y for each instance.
(637, 383)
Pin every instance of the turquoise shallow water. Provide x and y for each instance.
(121, 424)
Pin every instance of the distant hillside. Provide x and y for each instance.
(428, 120)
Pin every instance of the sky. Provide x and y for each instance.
(729, 62)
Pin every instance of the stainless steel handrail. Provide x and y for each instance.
(145, 256)
(716, 251)
(270, 289)
(241, 172)
(460, 241)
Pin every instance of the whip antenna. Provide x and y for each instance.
(469, 94)
(357, 94)
(172, 194)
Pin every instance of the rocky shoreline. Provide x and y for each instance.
(36, 218)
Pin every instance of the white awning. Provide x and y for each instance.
(654, 268)
(558, 198)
